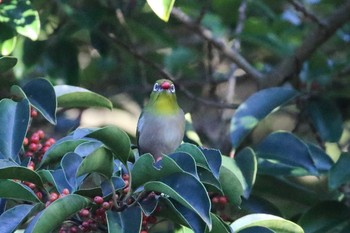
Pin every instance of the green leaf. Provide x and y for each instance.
(145, 170)
(219, 226)
(12, 218)
(100, 161)
(324, 217)
(77, 97)
(42, 96)
(59, 149)
(127, 221)
(272, 222)
(21, 16)
(247, 163)
(181, 187)
(340, 173)
(14, 120)
(20, 173)
(196, 154)
(162, 8)
(115, 139)
(285, 149)
(13, 190)
(8, 40)
(231, 186)
(58, 211)
(255, 108)
(326, 117)
(6, 63)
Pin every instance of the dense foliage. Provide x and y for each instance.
(263, 82)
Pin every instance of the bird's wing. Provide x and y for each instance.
(140, 123)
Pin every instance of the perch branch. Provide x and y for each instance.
(299, 7)
(165, 74)
(291, 66)
(220, 45)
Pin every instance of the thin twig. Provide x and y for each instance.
(291, 66)
(220, 45)
(299, 7)
(165, 74)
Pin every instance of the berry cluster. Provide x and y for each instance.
(219, 204)
(89, 218)
(147, 222)
(36, 145)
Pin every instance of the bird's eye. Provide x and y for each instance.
(156, 87)
(172, 88)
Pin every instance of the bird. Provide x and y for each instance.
(161, 125)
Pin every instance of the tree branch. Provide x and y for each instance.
(165, 74)
(305, 12)
(291, 66)
(220, 45)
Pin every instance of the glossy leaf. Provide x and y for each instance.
(209, 180)
(219, 226)
(115, 139)
(100, 161)
(272, 222)
(6, 63)
(195, 152)
(324, 217)
(247, 163)
(181, 186)
(185, 162)
(60, 180)
(213, 157)
(322, 160)
(106, 186)
(58, 150)
(70, 164)
(87, 148)
(231, 186)
(256, 229)
(255, 108)
(326, 117)
(42, 96)
(12, 218)
(285, 148)
(14, 119)
(257, 204)
(19, 173)
(162, 8)
(13, 190)
(8, 39)
(340, 173)
(21, 16)
(58, 211)
(127, 221)
(178, 213)
(77, 97)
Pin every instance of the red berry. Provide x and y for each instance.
(126, 177)
(84, 213)
(31, 185)
(53, 196)
(31, 167)
(65, 191)
(45, 148)
(41, 133)
(39, 195)
(35, 138)
(47, 203)
(98, 200)
(100, 212)
(126, 183)
(28, 154)
(143, 231)
(215, 200)
(86, 224)
(25, 141)
(223, 200)
(73, 229)
(33, 147)
(106, 205)
(50, 142)
(33, 113)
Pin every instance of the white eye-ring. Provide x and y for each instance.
(172, 88)
(156, 87)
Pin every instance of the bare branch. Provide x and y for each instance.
(291, 66)
(165, 74)
(220, 45)
(299, 7)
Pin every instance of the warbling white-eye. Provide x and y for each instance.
(161, 125)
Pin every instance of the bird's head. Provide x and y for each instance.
(163, 98)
